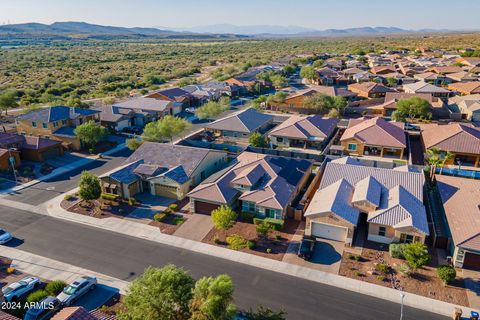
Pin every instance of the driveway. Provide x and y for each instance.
(149, 206)
(327, 255)
(196, 227)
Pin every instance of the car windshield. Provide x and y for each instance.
(69, 290)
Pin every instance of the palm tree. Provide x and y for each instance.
(433, 159)
(447, 157)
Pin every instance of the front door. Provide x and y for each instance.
(146, 186)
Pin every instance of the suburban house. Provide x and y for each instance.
(262, 184)
(462, 77)
(432, 78)
(308, 132)
(467, 106)
(469, 61)
(426, 88)
(445, 69)
(383, 70)
(294, 101)
(163, 170)
(116, 118)
(461, 203)
(390, 201)
(241, 125)
(329, 77)
(30, 147)
(56, 123)
(465, 88)
(374, 137)
(369, 89)
(437, 106)
(148, 109)
(178, 95)
(463, 140)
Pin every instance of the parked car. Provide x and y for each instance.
(75, 290)
(306, 248)
(16, 290)
(4, 236)
(132, 130)
(46, 309)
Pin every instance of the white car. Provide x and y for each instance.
(4, 236)
(14, 291)
(75, 290)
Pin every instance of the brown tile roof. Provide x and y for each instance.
(305, 127)
(446, 69)
(27, 142)
(456, 137)
(461, 201)
(382, 69)
(370, 87)
(326, 90)
(74, 313)
(376, 131)
(6, 316)
(471, 87)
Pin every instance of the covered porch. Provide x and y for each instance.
(381, 151)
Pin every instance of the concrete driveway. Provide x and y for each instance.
(327, 255)
(196, 227)
(149, 206)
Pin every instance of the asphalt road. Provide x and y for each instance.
(48, 189)
(126, 257)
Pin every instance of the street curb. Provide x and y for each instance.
(150, 233)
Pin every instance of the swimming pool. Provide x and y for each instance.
(459, 173)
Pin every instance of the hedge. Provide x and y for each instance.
(396, 250)
(109, 196)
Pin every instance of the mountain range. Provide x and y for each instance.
(83, 29)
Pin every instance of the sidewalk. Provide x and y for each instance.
(49, 269)
(64, 169)
(153, 234)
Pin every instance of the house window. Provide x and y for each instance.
(34, 124)
(408, 238)
(55, 124)
(352, 147)
(45, 125)
(382, 231)
(64, 122)
(279, 139)
(248, 206)
(270, 213)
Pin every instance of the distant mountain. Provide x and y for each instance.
(355, 31)
(247, 30)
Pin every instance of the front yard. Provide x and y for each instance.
(424, 281)
(273, 246)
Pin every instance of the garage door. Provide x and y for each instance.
(51, 153)
(205, 207)
(472, 261)
(166, 191)
(328, 231)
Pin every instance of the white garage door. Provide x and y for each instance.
(329, 231)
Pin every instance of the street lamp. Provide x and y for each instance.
(402, 295)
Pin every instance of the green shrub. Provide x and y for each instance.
(357, 258)
(168, 211)
(173, 207)
(416, 254)
(55, 287)
(257, 221)
(178, 221)
(446, 273)
(68, 197)
(109, 196)
(37, 296)
(381, 278)
(269, 250)
(382, 267)
(251, 244)
(277, 224)
(396, 250)
(132, 201)
(405, 269)
(159, 217)
(236, 242)
(264, 229)
(247, 216)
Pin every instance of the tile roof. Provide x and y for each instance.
(461, 201)
(423, 87)
(336, 198)
(376, 131)
(114, 114)
(275, 179)
(74, 313)
(471, 87)
(456, 137)
(306, 127)
(370, 87)
(56, 113)
(462, 76)
(144, 104)
(399, 194)
(245, 121)
(6, 316)
(7, 140)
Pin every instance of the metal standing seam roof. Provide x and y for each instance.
(306, 127)
(376, 131)
(368, 189)
(455, 137)
(245, 121)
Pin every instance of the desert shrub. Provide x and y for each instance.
(396, 250)
(173, 207)
(277, 224)
(132, 201)
(257, 221)
(55, 287)
(251, 244)
(68, 197)
(178, 221)
(159, 217)
(416, 254)
(236, 242)
(168, 211)
(405, 269)
(247, 216)
(382, 267)
(446, 273)
(109, 196)
(264, 229)
(381, 278)
(37, 296)
(357, 258)
(269, 250)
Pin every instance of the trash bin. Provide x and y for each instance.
(473, 315)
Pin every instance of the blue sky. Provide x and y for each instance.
(318, 14)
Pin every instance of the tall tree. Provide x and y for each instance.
(309, 73)
(166, 128)
(213, 109)
(8, 99)
(257, 140)
(89, 187)
(212, 298)
(91, 133)
(160, 293)
(413, 108)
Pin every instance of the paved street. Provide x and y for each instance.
(48, 189)
(126, 257)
